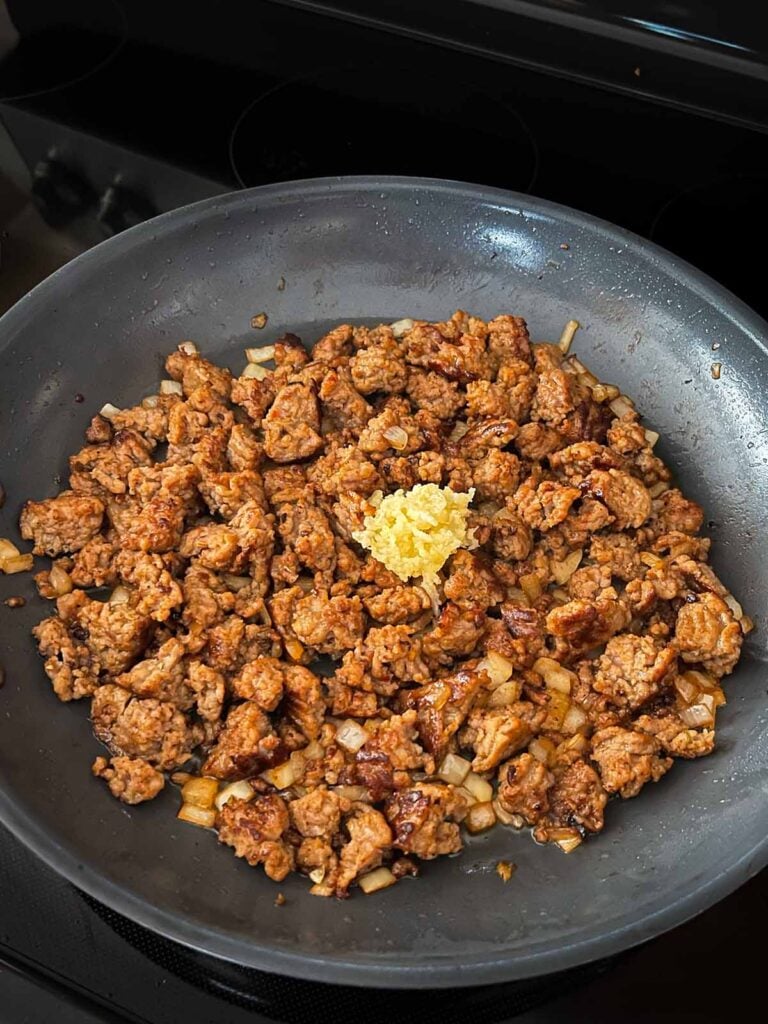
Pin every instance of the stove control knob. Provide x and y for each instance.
(121, 208)
(58, 192)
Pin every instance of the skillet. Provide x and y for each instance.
(319, 252)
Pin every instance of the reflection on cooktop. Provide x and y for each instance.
(384, 119)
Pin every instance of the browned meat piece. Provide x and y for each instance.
(620, 553)
(157, 593)
(130, 779)
(626, 497)
(243, 450)
(706, 632)
(576, 461)
(424, 820)
(508, 341)
(675, 544)
(349, 514)
(589, 421)
(167, 481)
(633, 670)
(195, 372)
(225, 493)
(510, 397)
(457, 633)
(147, 728)
(472, 583)
(379, 368)
(674, 736)
(304, 703)
(511, 537)
(209, 690)
(343, 403)
(305, 529)
(245, 746)
(157, 526)
(213, 546)
(161, 676)
(442, 706)
(345, 469)
(254, 396)
(461, 359)
(115, 634)
(553, 399)
(524, 785)
(254, 829)
(627, 435)
(544, 505)
(580, 525)
(369, 839)
(150, 420)
(536, 440)
(61, 524)
(318, 813)
(69, 664)
(330, 625)
(627, 760)
(578, 797)
(585, 624)
(406, 471)
(673, 511)
(396, 605)
(206, 601)
(261, 681)
(284, 483)
(99, 430)
(231, 643)
(591, 582)
(496, 475)
(292, 425)
(433, 393)
(104, 468)
(497, 733)
(93, 565)
(335, 343)
(393, 651)
(317, 854)
(394, 429)
(396, 738)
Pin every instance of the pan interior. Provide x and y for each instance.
(311, 255)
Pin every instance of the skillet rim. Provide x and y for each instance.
(435, 972)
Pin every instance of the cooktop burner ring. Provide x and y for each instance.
(297, 141)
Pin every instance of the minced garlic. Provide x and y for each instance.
(413, 533)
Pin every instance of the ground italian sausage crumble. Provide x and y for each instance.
(346, 718)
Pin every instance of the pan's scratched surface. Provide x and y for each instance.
(351, 249)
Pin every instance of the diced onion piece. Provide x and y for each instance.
(189, 348)
(241, 790)
(260, 355)
(621, 406)
(496, 666)
(313, 752)
(109, 410)
(577, 742)
(237, 582)
(716, 370)
(542, 749)
(454, 769)
(505, 870)
(120, 595)
(181, 777)
(562, 571)
(282, 776)
(605, 392)
(531, 585)
(429, 588)
(697, 715)
(575, 363)
(512, 820)
(200, 791)
(294, 649)
(150, 402)
(460, 428)
(201, 816)
(554, 675)
(506, 693)
(480, 817)
(658, 488)
(574, 720)
(701, 680)
(588, 379)
(746, 623)
(567, 841)
(354, 794)
(560, 595)
(468, 796)
(60, 581)
(735, 607)
(479, 787)
(557, 709)
(171, 387)
(381, 878)
(317, 875)
(687, 688)
(351, 736)
(7, 549)
(517, 596)
(401, 327)
(17, 563)
(255, 371)
(651, 437)
(566, 338)
(397, 437)
(650, 559)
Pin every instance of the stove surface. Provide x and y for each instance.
(305, 95)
